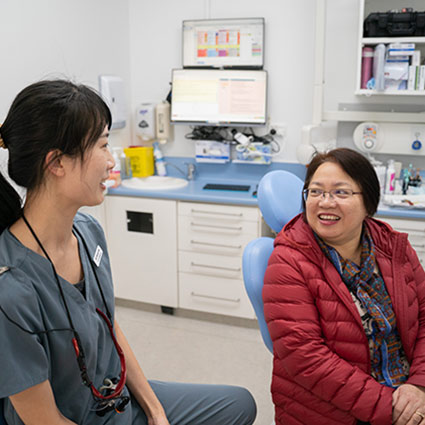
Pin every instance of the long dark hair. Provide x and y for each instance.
(51, 115)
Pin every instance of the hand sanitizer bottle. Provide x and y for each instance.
(159, 160)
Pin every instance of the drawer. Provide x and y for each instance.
(231, 234)
(210, 265)
(214, 295)
(210, 243)
(225, 213)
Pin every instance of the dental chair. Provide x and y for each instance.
(279, 199)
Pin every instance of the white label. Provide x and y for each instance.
(98, 256)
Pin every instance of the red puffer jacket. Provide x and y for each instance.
(321, 371)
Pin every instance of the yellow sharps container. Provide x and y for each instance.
(141, 160)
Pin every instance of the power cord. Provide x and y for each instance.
(217, 134)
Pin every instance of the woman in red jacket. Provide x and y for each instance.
(344, 298)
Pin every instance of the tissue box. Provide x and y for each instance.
(396, 75)
(212, 151)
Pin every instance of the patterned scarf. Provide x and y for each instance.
(389, 365)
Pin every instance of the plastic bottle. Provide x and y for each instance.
(159, 160)
(378, 67)
(115, 173)
(367, 61)
(390, 178)
(125, 166)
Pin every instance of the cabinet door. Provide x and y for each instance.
(142, 237)
(416, 233)
(98, 212)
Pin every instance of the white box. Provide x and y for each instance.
(416, 58)
(396, 74)
(412, 78)
(212, 151)
(398, 49)
(421, 78)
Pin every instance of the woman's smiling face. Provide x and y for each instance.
(337, 221)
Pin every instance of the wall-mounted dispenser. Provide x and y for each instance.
(153, 122)
(145, 121)
(112, 90)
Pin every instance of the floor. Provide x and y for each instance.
(193, 347)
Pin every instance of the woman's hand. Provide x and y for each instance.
(408, 402)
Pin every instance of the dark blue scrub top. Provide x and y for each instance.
(30, 301)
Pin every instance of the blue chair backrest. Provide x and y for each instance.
(254, 262)
(279, 199)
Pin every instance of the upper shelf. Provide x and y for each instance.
(388, 40)
(367, 92)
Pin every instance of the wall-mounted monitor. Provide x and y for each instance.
(219, 97)
(223, 43)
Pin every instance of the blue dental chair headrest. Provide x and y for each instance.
(279, 198)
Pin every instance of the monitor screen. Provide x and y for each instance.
(223, 43)
(219, 97)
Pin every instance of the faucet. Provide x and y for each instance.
(191, 169)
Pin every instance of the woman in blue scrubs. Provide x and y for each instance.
(64, 359)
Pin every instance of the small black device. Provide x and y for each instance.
(233, 187)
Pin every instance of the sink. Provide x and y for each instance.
(155, 183)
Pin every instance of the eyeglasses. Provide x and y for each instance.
(340, 194)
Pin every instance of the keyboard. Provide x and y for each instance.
(233, 187)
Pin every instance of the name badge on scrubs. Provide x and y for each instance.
(98, 256)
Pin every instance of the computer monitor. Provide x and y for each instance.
(223, 43)
(219, 97)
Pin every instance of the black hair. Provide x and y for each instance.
(357, 167)
(50, 115)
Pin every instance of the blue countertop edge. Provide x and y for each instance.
(238, 174)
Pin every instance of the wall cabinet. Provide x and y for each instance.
(416, 233)
(181, 254)
(367, 7)
(142, 241)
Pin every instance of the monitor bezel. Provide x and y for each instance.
(221, 123)
(230, 20)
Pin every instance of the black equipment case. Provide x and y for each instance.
(395, 24)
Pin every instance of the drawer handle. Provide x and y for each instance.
(216, 213)
(216, 244)
(229, 269)
(216, 227)
(232, 300)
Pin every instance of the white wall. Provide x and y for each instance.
(155, 47)
(76, 39)
(140, 40)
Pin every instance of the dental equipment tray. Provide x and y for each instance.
(234, 187)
